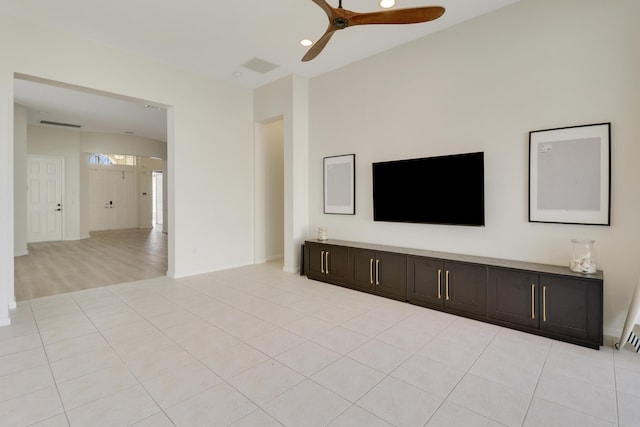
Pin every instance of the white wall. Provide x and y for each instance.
(7, 296)
(93, 142)
(165, 204)
(20, 180)
(269, 191)
(73, 146)
(288, 99)
(209, 124)
(482, 86)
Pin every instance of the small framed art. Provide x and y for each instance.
(340, 184)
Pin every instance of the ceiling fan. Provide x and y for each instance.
(340, 19)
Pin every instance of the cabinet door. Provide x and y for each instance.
(327, 263)
(391, 275)
(361, 269)
(572, 307)
(465, 287)
(512, 296)
(336, 262)
(315, 261)
(424, 286)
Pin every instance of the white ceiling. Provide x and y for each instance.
(93, 111)
(213, 38)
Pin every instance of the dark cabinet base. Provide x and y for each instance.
(540, 299)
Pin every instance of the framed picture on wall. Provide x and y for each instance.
(340, 184)
(570, 175)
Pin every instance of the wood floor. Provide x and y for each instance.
(107, 258)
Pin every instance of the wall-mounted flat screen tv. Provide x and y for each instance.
(431, 190)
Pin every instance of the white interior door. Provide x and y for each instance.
(44, 197)
(97, 210)
(112, 199)
(124, 200)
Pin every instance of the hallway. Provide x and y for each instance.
(107, 258)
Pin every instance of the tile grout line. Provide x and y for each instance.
(615, 380)
(533, 393)
(55, 382)
(119, 358)
(446, 398)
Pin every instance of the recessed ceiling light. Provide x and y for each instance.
(306, 42)
(386, 4)
(237, 74)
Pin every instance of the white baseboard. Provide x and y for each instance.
(284, 268)
(182, 274)
(295, 270)
(5, 321)
(13, 304)
(268, 259)
(21, 253)
(612, 332)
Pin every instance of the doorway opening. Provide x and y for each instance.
(73, 138)
(157, 203)
(269, 192)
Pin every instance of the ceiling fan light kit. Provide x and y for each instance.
(340, 19)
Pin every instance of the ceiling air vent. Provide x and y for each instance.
(69, 125)
(259, 65)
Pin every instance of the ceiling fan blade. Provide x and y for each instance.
(399, 16)
(340, 18)
(325, 6)
(319, 45)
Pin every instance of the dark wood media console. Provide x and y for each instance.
(546, 300)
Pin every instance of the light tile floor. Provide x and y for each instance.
(254, 346)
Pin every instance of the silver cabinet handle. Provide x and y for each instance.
(322, 262)
(439, 284)
(377, 272)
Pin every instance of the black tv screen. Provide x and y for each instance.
(431, 190)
